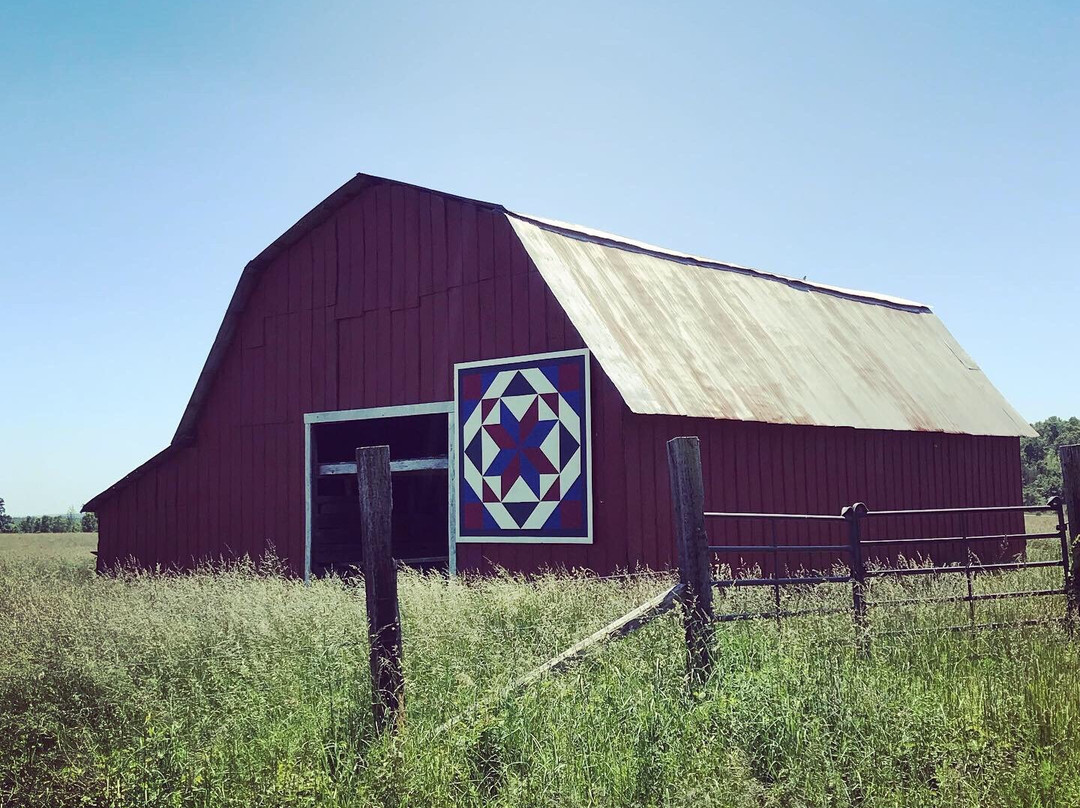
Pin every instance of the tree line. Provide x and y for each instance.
(70, 522)
(1039, 461)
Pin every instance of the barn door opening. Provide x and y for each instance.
(419, 441)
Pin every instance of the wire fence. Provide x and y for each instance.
(853, 569)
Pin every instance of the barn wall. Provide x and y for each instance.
(373, 308)
(783, 469)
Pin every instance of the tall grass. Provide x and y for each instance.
(239, 687)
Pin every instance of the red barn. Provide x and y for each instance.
(526, 374)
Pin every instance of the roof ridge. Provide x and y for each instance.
(593, 236)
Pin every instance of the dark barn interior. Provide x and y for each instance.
(418, 456)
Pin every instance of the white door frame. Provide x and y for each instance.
(432, 408)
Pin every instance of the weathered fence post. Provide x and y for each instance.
(854, 514)
(380, 585)
(692, 542)
(1058, 504)
(1070, 490)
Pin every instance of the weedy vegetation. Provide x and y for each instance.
(236, 686)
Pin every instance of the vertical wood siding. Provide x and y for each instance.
(374, 306)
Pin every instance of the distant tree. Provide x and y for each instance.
(7, 524)
(30, 524)
(71, 521)
(89, 523)
(1039, 462)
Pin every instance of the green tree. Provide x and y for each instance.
(89, 523)
(1039, 462)
(7, 524)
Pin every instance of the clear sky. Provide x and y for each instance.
(149, 149)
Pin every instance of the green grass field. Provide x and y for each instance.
(239, 687)
(76, 548)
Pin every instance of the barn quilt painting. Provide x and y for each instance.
(523, 464)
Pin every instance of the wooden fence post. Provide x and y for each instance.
(380, 585)
(854, 514)
(1070, 490)
(692, 542)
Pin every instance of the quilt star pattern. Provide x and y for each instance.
(523, 449)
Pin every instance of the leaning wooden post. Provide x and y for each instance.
(380, 585)
(1070, 491)
(695, 573)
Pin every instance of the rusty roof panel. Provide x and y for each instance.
(682, 335)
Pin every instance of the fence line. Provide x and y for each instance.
(685, 452)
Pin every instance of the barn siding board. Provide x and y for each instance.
(320, 240)
(456, 325)
(426, 279)
(209, 526)
(471, 312)
(358, 279)
(259, 474)
(277, 367)
(306, 389)
(317, 358)
(815, 465)
(384, 358)
(410, 248)
(485, 244)
(537, 316)
(383, 248)
(294, 529)
(601, 553)
(467, 243)
(239, 485)
(161, 530)
(130, 546)
(412, 356)
(443, 380)
(333, 260)
(398, 338)
(375, 305)
(802, 498)
(294, 371)
(647, 447)
(181, 508)
(135, 548)
(455, 271)
(142, 514)
(439, 269)
(755, 474)
(273, 492)
(486, 323)
(631, 459)
(182, 517)
(426, 336)
(502, 314)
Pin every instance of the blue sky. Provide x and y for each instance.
(927, 150)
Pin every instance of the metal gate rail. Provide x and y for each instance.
(859, 572)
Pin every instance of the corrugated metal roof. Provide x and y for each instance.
(682, 335)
